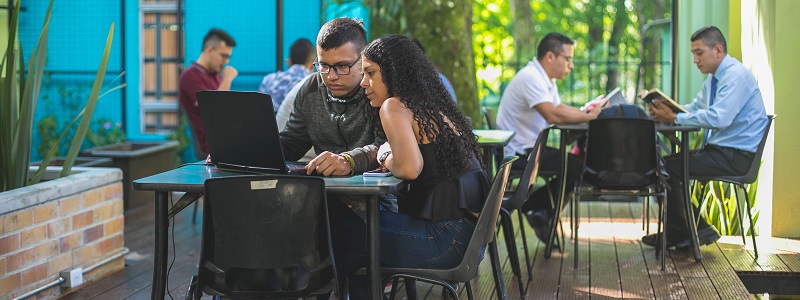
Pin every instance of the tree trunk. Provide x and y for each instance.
(445, 28)
(621, 21)
(524, 39)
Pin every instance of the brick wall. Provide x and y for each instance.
(76, 229)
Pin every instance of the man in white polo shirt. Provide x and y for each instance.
(530, 104)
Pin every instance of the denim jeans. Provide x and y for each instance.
(405, 242)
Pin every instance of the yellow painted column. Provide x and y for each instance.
(783, 42)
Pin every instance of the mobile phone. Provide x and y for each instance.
(377, 173)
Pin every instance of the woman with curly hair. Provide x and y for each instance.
(430, 144)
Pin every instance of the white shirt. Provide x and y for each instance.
(530, 87)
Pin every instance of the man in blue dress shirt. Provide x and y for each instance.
(730, 108)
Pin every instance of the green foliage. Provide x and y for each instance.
(179, 134)
(717, 202)
(19, 92)
(105, 132)
(607, 52)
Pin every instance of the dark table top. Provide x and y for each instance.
(190, 178)
(493, 138)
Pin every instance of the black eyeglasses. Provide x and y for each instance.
(324, 68)
(566, 57)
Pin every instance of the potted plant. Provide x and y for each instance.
(73, 210)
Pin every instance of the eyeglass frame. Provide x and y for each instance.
(319, 65)
(566, 57)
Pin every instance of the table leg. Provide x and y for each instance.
(488, 159)
(373, 248)
(686, 197)
(562, 184)
(160, 255)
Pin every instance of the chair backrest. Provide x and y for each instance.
(529, 174)
(621, 154)
(491, 117)
(752, 173)
(265, 236)
(485, 226)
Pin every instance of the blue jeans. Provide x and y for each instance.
(405, 242)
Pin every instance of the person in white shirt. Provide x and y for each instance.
(530, 104)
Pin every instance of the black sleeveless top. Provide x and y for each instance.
(435, 198)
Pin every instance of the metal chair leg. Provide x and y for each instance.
(499, 285)
(511, 245)
(524, 244)
(750, 216)
(575, 202)
(468, 286)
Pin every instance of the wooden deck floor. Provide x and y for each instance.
(613, 264)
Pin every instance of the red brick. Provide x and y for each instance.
(82, 220)
(20, 259)
(106, 211)
(2, 224)
(9, 283)
(2, 266)
(47, 250)
(45, 212)
(58, 227)
(68, 242)
(59, 263)
(70, 205)
(93, 197)
(113, 191)
(33, 235)
(92, 234)
(33, 274)
(114, 226)
(85, 254)
(9, 243)
(19, 220)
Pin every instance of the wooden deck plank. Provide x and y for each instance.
(613, 263)
(605, 280)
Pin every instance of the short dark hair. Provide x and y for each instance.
(711, 37)
(216, 35)
(300, 51)
(340, 31)
(552, 42)
(419, 44)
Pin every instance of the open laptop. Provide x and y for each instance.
(241, 133)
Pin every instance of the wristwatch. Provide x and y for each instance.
(383, 158)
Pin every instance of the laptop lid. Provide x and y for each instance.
(241, 130)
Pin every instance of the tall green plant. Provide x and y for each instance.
(19, 92)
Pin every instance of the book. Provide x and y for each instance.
(614, 97)
(653, 94)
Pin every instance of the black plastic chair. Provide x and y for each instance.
(264, 237)
(740, 181)
(621, 159)
(490, 117)
(484, 235)
(513, 201)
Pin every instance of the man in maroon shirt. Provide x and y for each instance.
(208, 72)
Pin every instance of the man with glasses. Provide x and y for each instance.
(530, 104)
(331, 111)
(208, 72)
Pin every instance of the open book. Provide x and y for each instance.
(649, 96)
(614, 97)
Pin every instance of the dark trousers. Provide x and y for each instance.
(550, 161)
(710, 161)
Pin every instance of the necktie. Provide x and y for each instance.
(710, 103)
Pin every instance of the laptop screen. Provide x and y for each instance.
(241, 130)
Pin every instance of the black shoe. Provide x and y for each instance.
(653, 239)
(540, 221)
(705, 236)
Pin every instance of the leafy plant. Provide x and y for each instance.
(179, 134)
(19, 93)
(105, 132)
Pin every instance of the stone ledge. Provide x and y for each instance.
(79, 180)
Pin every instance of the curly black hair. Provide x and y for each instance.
(413, 79)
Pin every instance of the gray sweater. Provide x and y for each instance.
(337, 125)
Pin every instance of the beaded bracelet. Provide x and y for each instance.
(351, 162)
(383, 158)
